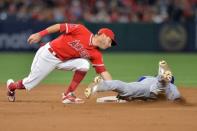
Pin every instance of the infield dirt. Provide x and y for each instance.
(41, 110)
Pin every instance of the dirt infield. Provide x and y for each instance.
(41, 110)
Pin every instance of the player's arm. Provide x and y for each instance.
(100, 69)
(106, 75)
(97, 63)
(35, 38)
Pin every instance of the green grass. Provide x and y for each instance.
(124, 66)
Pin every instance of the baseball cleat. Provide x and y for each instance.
(10, 94)
(70, 98)
(163, 66)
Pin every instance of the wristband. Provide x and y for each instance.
(63, 27)
(43, 33)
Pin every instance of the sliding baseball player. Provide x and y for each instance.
(146, 88)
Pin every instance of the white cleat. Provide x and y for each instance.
(163, 66)
(162, 63)
(10, 94)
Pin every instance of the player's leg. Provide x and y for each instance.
(80, 67)
(12, 86)
(44, 62)
(19, 84)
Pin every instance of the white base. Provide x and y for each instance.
(109, 99)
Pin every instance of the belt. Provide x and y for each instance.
(55, 54)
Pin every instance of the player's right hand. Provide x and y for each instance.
(34, 38)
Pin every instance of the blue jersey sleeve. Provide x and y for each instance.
(141, 78)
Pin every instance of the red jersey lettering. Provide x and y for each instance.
(75, 42)
(79, 47)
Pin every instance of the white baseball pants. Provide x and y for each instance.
(45, 62)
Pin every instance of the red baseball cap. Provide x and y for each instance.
(108, 32)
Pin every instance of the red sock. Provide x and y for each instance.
(16, 85)
(77, 78)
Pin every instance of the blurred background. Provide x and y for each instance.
(146, 31)
(96, 11)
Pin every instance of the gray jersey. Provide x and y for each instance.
(141, 89)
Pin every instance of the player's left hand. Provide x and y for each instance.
(34, 38)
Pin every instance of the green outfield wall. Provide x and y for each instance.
(152, 37)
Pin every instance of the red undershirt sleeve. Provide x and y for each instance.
(99, 69)
(67, 28)
(97, 63)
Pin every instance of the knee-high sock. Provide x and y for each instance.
(77, 78)
(16, 85)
